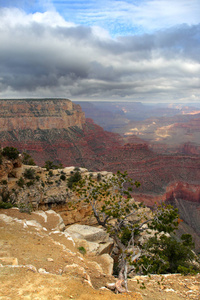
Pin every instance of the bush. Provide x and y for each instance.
(4, 182)
(99, 177)
(27, 159)
(37, 177)
(82, 250)
(50, 173)
(49, 165)
(63, 177)
(5, 205)
(77, 169)
(167, 255)
(29, 183)
(10, 153)
(21, 182)
(25, 208)
(76, 177)
(29, 173)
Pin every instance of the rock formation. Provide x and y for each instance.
(46, 264)
(56, 130)
(43, 114)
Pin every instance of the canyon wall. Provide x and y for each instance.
(56, 130)
(43, 114)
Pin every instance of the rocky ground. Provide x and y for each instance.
(38, 261)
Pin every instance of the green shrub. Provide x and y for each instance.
(29, 183)
(37, 177)
(49, 165)
(4, 182)
(76, 177)
(29, 173)
(168, 255)
(25, 208)
(50, 182)
(50, 173)
(82, 250)
(99, 177)
(5, 205)
(27, 159)
(21, 182)
(10, 152)
(63, 177)
(77, 169)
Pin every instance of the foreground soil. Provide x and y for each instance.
(34, 249)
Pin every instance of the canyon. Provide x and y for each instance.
(167, 128)
(57, 130)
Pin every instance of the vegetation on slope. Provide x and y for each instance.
(125, 221)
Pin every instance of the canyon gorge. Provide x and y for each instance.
(57, 130)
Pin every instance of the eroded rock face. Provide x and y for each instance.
(43, 114)
(56, 130)
(95, 240)
(42, 247)
(184, 191)
(10, 168)
(89, 233)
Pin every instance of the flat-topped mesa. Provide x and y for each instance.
(44, 114)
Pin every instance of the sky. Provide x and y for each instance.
(115, 50)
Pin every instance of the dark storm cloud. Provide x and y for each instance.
(44, 55)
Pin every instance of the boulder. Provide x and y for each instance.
(108, 263)
(95, 248)
(106, 247)
(95, 240)
(90, 247)
(13, 261)
(89, 233)
(59, 224)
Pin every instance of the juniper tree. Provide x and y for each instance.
(125, 220)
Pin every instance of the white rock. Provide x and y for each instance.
(31, 268)
(6, 218)
(50, 259)
(33, 223)
(89, 233)
(42, 271)
(169, 290)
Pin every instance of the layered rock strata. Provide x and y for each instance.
(43, 114)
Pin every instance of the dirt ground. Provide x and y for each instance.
(43, 248)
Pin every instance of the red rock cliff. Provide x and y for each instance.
(41, 114)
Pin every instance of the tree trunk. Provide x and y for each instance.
(122, 278)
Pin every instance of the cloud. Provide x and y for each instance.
(42, 55)
(119, 17)
(122, 17)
